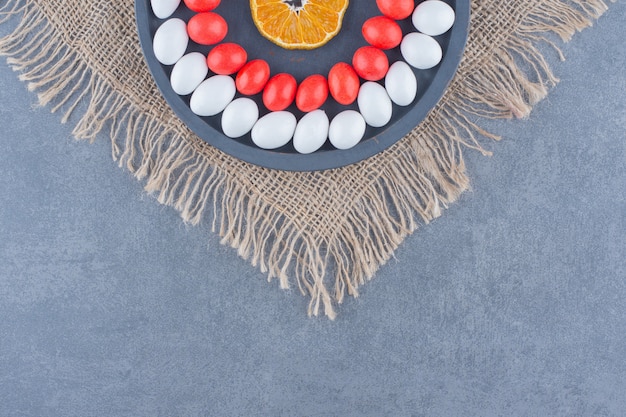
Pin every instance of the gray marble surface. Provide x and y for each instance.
(513, 303)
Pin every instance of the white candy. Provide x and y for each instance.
(346, 129)
(274, 130)
(374, 104)
(164, 8)
(311, 132)
(239, 117)
(433, 17)
(188, 73)
(170, 41)
(421, 51)
(401, 84)
(213, 95)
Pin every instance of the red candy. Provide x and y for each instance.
(202, 5)
(382, 32)
(207, 28)
(343, 83)
(312, 93)
(251, 79)
(280, 92)
(396, 9)
(226, 58)
(370, 63)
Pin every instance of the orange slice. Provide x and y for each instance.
(298, 24)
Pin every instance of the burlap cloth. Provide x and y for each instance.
(326, 232)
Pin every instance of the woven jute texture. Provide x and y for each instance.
(325, 232)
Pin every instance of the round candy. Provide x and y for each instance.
(163, 9)
(226, 58)
(396, 9)
(346, 129)
(382, 32)
(374, 104)
(343, 83)
(274, 130)
(421, 51)
(401, 83)
(188, 73)
(207, 28)
(170, 41)
(433, 17)
(280, 92)
(312, 93)
(239, 117)
(213, 95)
(370, 63)
(202, 5)
(251, 79)
(311, 132)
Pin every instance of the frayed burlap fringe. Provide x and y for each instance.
(330, 230)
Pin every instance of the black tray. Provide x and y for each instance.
(432, 83)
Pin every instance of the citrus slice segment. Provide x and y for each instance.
(298, 24)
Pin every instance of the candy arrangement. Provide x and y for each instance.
(232, 74)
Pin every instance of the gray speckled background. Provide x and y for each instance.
(513, 303)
